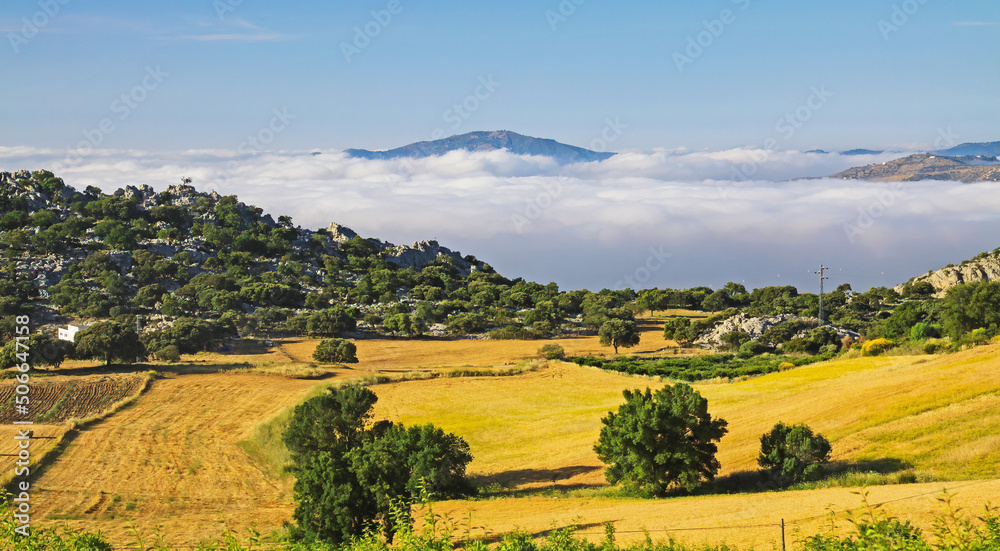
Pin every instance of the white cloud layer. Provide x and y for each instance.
(719, 216)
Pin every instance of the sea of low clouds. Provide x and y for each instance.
(640, 219)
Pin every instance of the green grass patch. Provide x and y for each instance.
(265, 445)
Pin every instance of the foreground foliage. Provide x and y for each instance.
(873, 530)
(350, 471)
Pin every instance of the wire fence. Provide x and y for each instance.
(782, 524)
(780, 527)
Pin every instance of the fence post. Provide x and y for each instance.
(782, 534)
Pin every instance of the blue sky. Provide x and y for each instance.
(225, 75)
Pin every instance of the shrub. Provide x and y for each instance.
(877, 347)
(922, 331)
(735, 339)
(552, 351)
(750, 349)
(169, 353)
(933, 346)
(336, 351)
(793, 453)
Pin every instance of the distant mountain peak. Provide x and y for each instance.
(487, 140)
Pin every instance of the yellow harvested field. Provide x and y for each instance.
(749, 521)
(936, 414)
(171, 461)
(400, 355)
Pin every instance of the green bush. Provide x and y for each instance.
(922, 331)
(336, 351)
(169, 353)
(552, 351)
(793, 453)
(750, 349)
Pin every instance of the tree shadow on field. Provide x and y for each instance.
(497, 538)
(520, 477)
(764, 481)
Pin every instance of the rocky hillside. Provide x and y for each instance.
(513, 142)
(983, 267)
(925, 166)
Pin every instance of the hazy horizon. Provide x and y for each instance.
(655, 219)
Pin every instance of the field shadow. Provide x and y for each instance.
(763, 481)
(520, 477)
(491, 539)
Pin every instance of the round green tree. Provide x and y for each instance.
(110, 341)
(793, 453)
(618, 332)
(336, 351)
(658, 440)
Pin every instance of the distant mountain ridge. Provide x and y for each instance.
(513, 142)
(989, 149)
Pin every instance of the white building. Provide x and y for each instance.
(69, 333)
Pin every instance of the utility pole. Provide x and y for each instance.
(138, 331)
(822, 270)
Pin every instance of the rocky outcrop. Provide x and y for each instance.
(984, 267)
(422, 253)
(755, 327)
(340, 233)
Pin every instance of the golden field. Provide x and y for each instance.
(173, 461)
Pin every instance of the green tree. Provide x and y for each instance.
(349, 469)
(793, 453)
(404, 324)
(674, 325)
(336, 351)
(108, 341)
(618, 332)
(658, 440)
(405, 461)
(717, 301)
(42, 350)
(971, 306)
